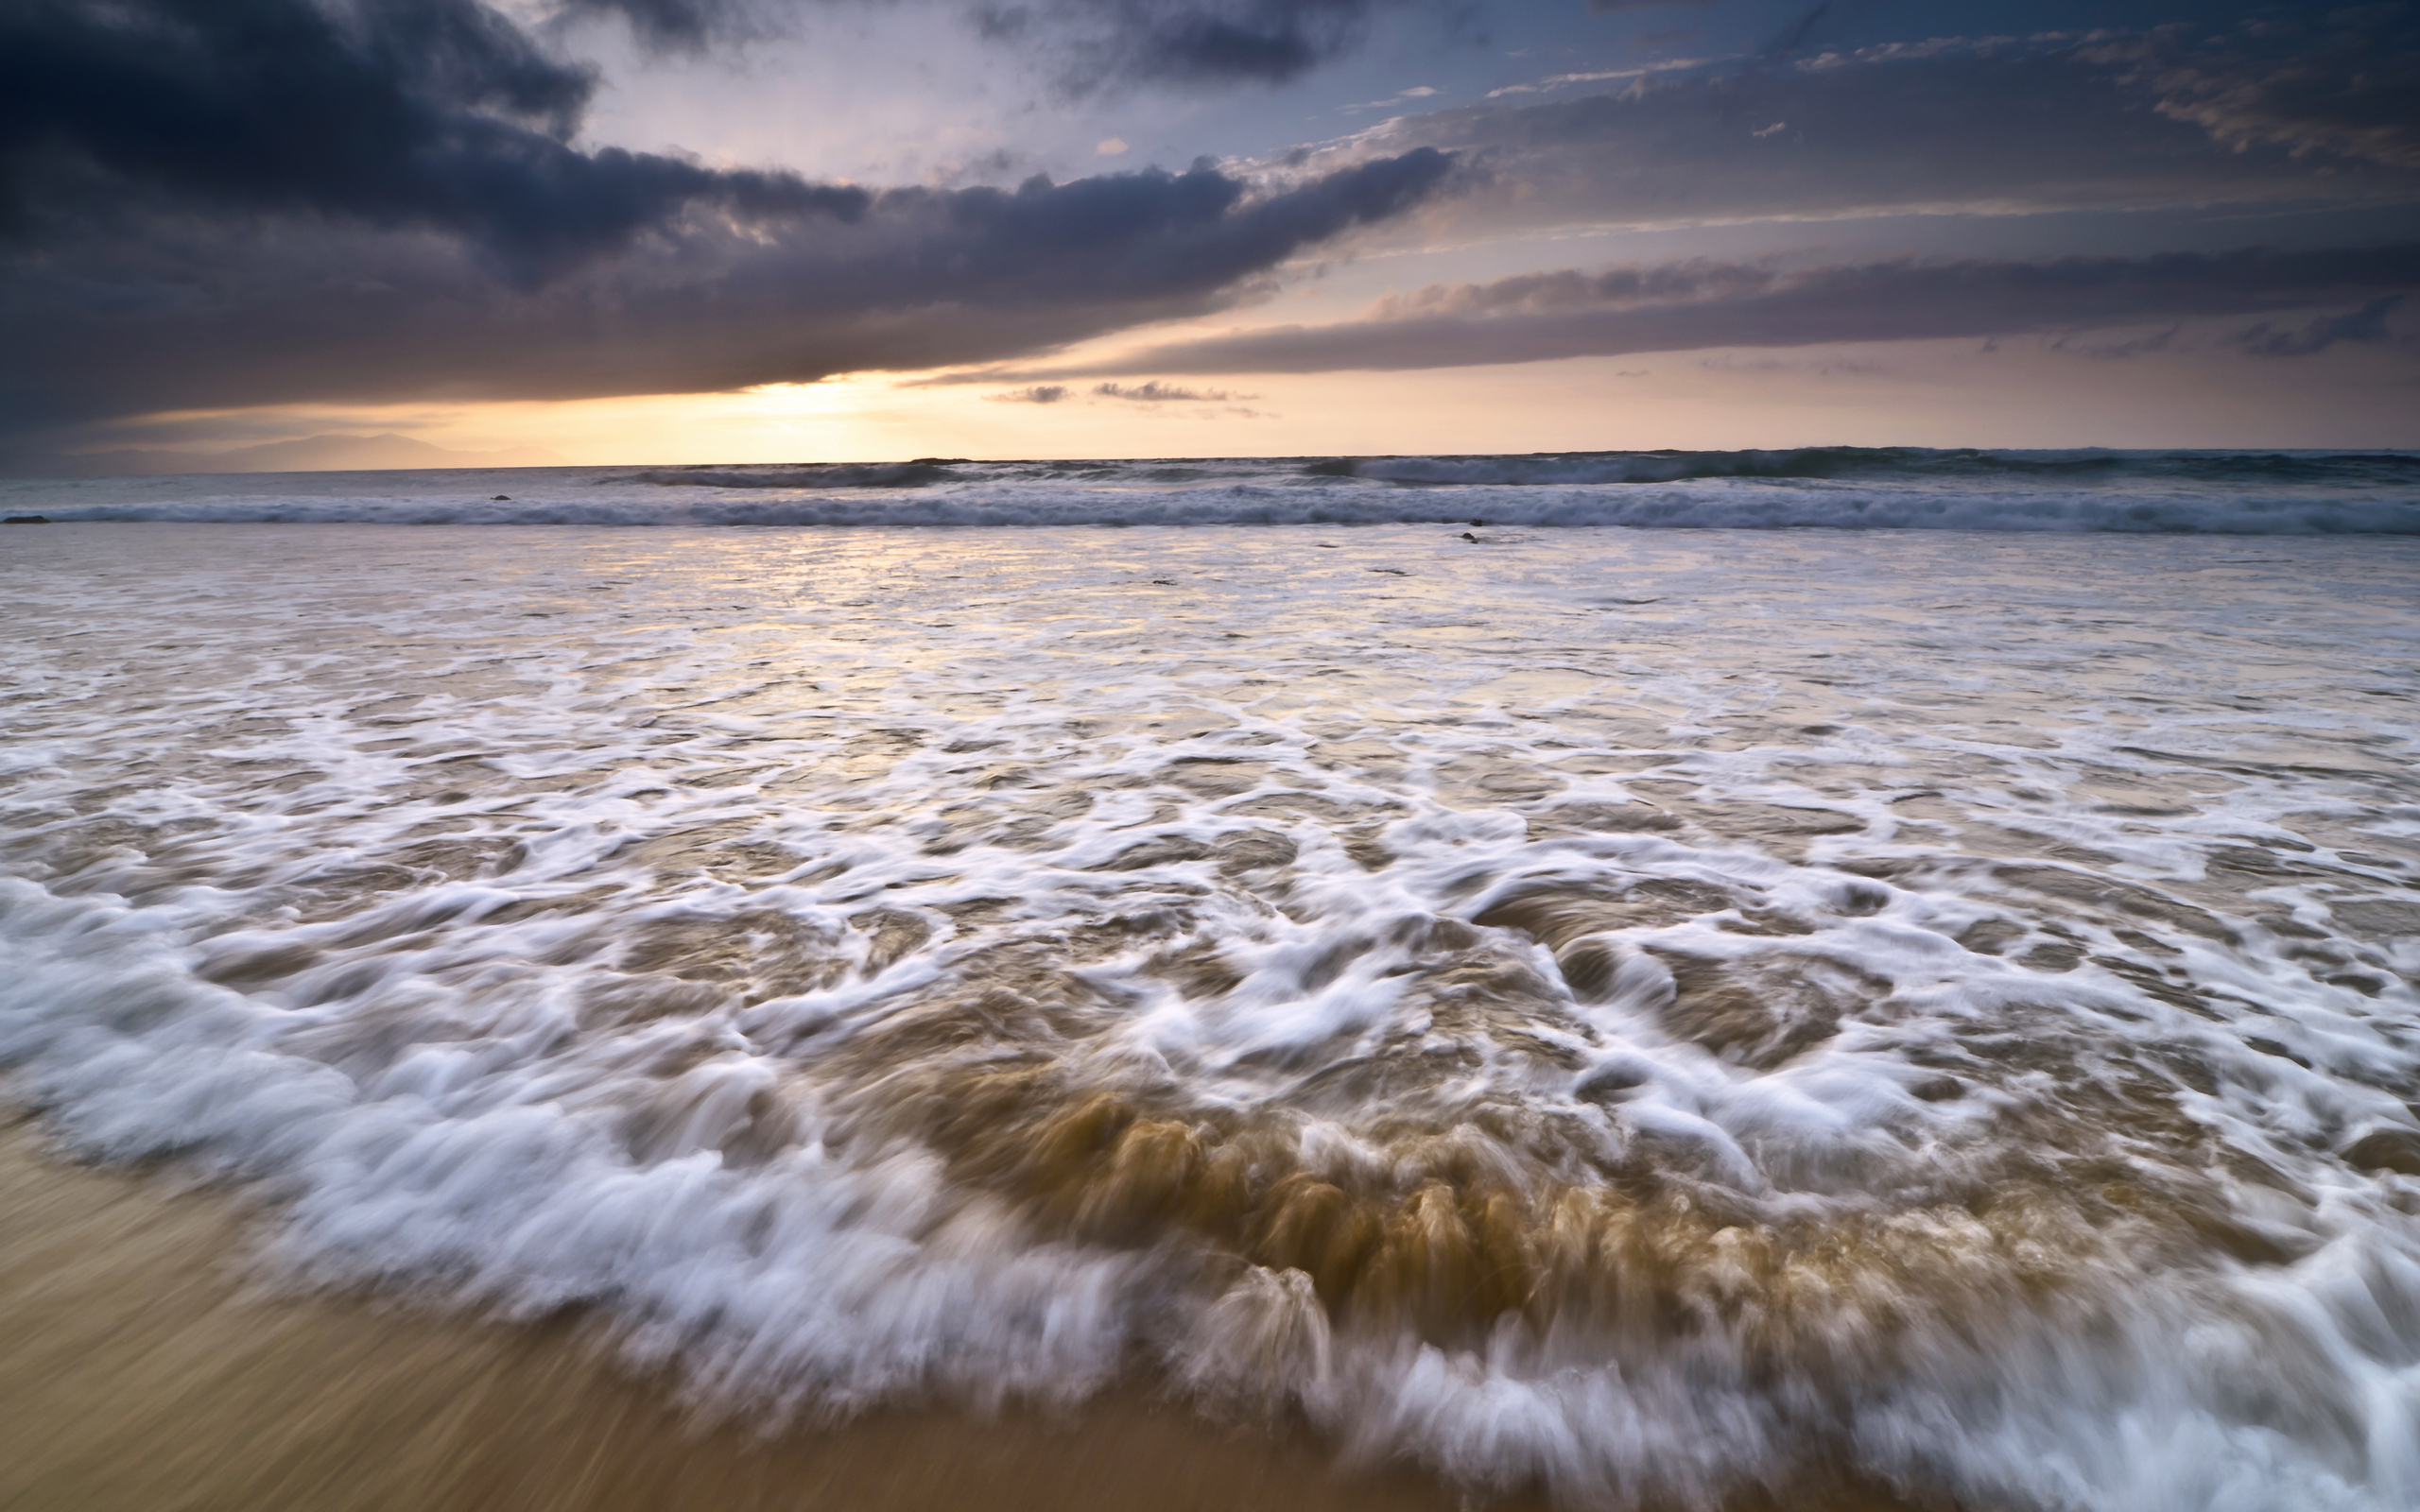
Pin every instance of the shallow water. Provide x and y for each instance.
(1649, 1016)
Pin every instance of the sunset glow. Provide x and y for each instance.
(1396, 226)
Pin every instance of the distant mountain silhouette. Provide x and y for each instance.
(313, 454)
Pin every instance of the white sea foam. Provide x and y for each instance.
(573, 915)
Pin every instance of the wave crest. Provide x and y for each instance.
(1809, 487)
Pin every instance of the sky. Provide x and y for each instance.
(700, 230)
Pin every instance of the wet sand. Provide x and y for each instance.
(147, 1369)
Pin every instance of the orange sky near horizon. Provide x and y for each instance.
(2015, 393)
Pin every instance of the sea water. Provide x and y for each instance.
(1644, 1012)
(1839, 486)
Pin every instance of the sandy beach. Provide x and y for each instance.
(150, 1371)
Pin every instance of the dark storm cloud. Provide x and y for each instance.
(1097, 41)
(2325, 111)
(435, 115)
(215, 203)
(404, 113)
(1189, 42)
(208, 312)
(1691, 306)
(678, 25)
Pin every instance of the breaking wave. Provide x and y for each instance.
(1816, 487)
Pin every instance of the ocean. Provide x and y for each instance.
(1837, 486)
(1511, 967)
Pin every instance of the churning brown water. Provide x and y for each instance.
(1633, 1020)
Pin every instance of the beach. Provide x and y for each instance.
(135, 1325)
(1332, 1013)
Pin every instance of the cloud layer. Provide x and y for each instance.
(2320, 109)
(420, 114)
(211, 204)
(1692, 306)
(1192, 43)
(231, 202)
(215, 315)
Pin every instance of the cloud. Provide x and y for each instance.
(2343, 83)
(1187, 42)
(2185, 116)
(445, 114)
(1694, 305)
(2125, 350)
(1418, 91)
(684, 26)
(185, 309)
(220, 203)
(434, 115)
(2366, 324)
(1155, 392)
(1560, 81)
(1097, 43)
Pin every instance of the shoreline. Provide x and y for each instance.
(148, 1371)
